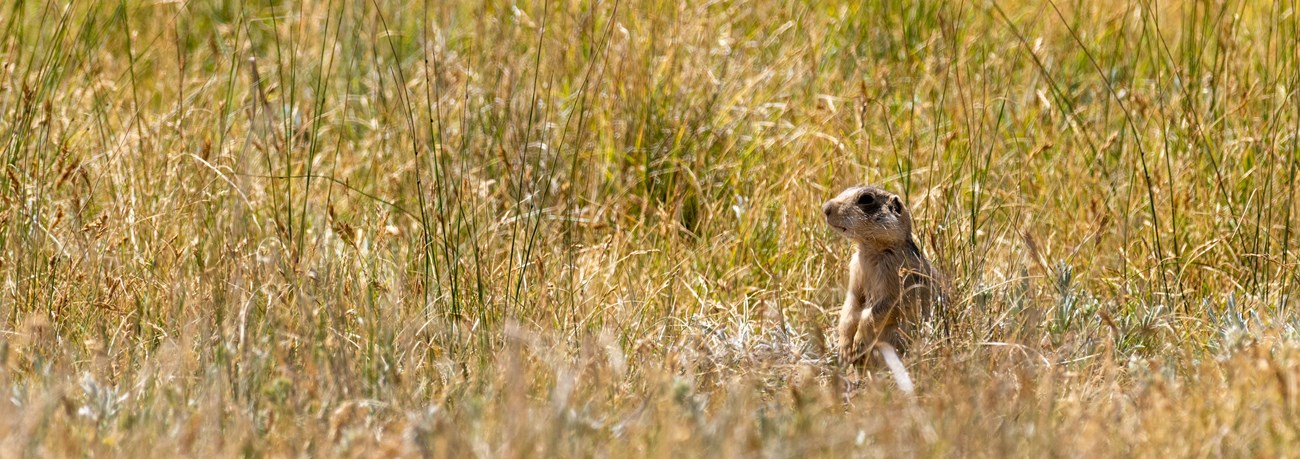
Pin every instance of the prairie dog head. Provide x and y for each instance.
(869, 216)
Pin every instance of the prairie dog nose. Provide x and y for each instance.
(827, 208)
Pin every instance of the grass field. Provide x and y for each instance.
(561, 228)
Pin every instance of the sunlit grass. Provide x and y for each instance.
(558, 228)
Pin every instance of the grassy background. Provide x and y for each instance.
(573, 228)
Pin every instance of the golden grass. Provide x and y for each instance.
(566, 228)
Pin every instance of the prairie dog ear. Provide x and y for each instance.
(896, 205)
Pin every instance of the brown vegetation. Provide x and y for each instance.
(569, 228)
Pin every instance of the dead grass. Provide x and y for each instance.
(564, 228)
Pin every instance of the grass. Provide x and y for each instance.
(575, 228)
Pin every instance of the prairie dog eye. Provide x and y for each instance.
(866, 200)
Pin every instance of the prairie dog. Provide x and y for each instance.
(891, 284)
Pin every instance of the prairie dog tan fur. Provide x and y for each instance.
(891, 284)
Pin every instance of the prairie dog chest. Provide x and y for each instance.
(871, 278)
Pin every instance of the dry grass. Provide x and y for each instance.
(566, 228)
